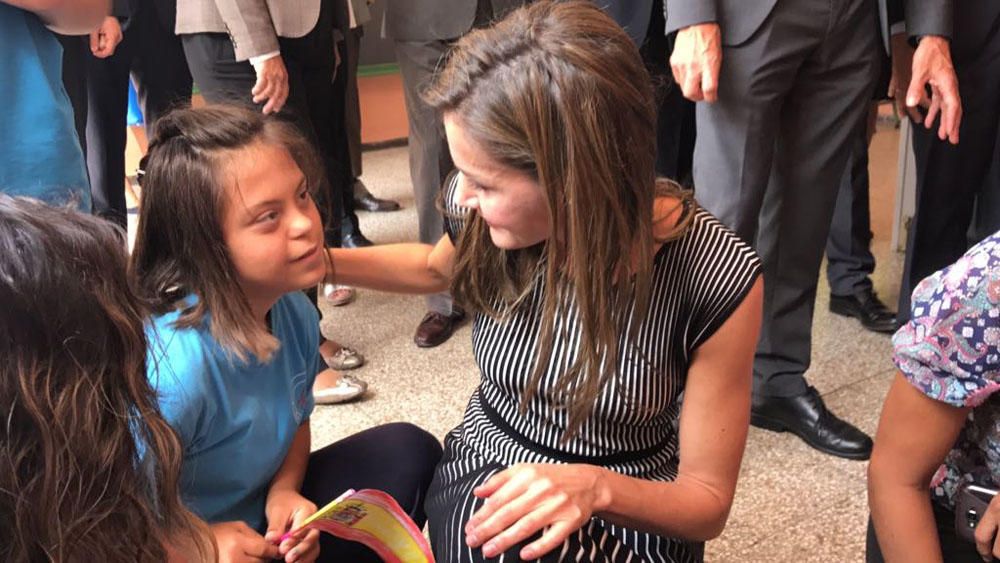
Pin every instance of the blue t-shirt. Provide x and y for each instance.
(236, 420)
(40, 153)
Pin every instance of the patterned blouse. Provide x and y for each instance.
(950, 351)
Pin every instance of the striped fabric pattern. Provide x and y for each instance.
(698, 281)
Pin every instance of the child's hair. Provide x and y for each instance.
(88, 466)
(179, 247)
(558, 91)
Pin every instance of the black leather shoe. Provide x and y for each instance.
(357, 240)
(866, 307)
(368, 202)
(808, 418)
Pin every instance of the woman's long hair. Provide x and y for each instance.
(88, 466)
(179, 247)
(558, 91)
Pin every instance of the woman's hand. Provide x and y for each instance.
(286, 510)
(239, 543)
(524, 499)
(987, 542)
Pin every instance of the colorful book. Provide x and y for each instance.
(375, 519)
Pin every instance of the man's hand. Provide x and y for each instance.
(238, 543)
(105, 39)
(696, 60)
(272, 84)
(932, 67)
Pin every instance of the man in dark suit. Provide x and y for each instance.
(422, 31)
(137, 41)
(783, 86)
(281, 56)
(152, 55)
(850, 262)
(953, 179)
(675, 128)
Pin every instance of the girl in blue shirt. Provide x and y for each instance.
(228, 237)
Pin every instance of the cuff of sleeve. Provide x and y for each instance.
(260, 59)
(685, 14)
(897, 28)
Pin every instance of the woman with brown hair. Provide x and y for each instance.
(600, 294)
(88, 466)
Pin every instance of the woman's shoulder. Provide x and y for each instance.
(704, 240)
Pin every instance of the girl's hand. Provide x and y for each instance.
(524, 499)
(286, 510)
(239, 543)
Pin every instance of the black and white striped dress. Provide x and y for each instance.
(698, 281)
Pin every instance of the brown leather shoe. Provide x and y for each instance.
(435, 328)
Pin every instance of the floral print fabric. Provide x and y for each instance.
(950, 351)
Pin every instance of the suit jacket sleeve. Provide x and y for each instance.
(683, 13)
(250, 27)
(929, 17)
(121, 9)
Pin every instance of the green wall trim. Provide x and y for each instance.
(378, 70)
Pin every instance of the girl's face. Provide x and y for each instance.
(271, 225)
(510, 201)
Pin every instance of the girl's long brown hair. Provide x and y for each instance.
(179, 246)
(558, 91)
(88, 466)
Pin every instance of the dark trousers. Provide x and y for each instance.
(953, 548)
(352, 112)
(675, 126)
(770, 155)
(396, 458)
(315, 102)
(848, 249)
(152, 55)
(76, 51)
(951, 177)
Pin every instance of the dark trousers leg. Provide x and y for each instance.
(988, 203)
(107, 102)
(950, 176)
(352, 115)
(341, 143)
(159, 69)
(675, 127)
(76, 51)
(430, 161)
(770, 154)
(848, 248)
(397, 458)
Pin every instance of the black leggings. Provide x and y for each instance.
(397, 458)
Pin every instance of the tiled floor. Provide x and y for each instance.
(793, 504)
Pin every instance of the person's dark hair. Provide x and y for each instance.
(558, 91)
(179, 247)
(88, 466)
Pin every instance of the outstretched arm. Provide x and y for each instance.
(70, 17)
(398, 268)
